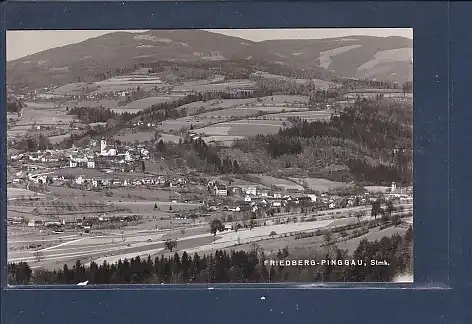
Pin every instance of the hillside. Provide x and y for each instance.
(357, 57)
(357, 145)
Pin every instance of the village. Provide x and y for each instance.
(100, 167)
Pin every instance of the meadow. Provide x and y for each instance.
(318, 184)
(145, 103)
(202, 86)
(321, 84)
(128, 83)
(281, 183)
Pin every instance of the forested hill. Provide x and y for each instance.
(370, 142)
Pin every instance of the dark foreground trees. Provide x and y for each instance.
(234, 266)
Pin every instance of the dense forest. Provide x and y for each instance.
(92, 114)
(14, 106)
(234, 267)
(31, 143)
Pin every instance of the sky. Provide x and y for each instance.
(23, 43)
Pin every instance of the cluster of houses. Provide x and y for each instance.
(254, 198)
(108, 156)
(96, 182)
(85, 157)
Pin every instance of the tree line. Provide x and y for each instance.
(232, 267)
(92, 114)
(198, 154)
(14, 106)
(31, 143)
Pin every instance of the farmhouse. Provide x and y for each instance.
(34, 223)
(277, 203)
(313, 197)
(251, 191)
(220, 190)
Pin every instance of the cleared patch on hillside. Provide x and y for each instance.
(325, 57)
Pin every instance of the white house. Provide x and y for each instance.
(91, 164)
(251, 191)
(276, 203)
(332, 205)
(80, 180)
(247, 198)
(220, 190)
(313, 197)
(33, 223)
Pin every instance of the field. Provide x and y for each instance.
(46, 114)
(373, 235)
(211, 126)
(58, 138)
(247, 112)
(318, 184)
(244, 127)
(201, 114)
(377, 188)
(370, 95)
(48, 250)
(231, 238)
(310, 116)
(226, 140)
(144, 103)
(321, 84)
(71, 88)
(128, 83)
(127, 136)
(14, 193)
(103, 103)
(202, 86)
(194, 108)
(281, 183)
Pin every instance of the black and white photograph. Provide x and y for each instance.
(242, 156)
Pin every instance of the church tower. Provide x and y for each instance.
(103, 145)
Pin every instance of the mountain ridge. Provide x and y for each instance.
(372, 57)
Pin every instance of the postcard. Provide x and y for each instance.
(210, 156)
